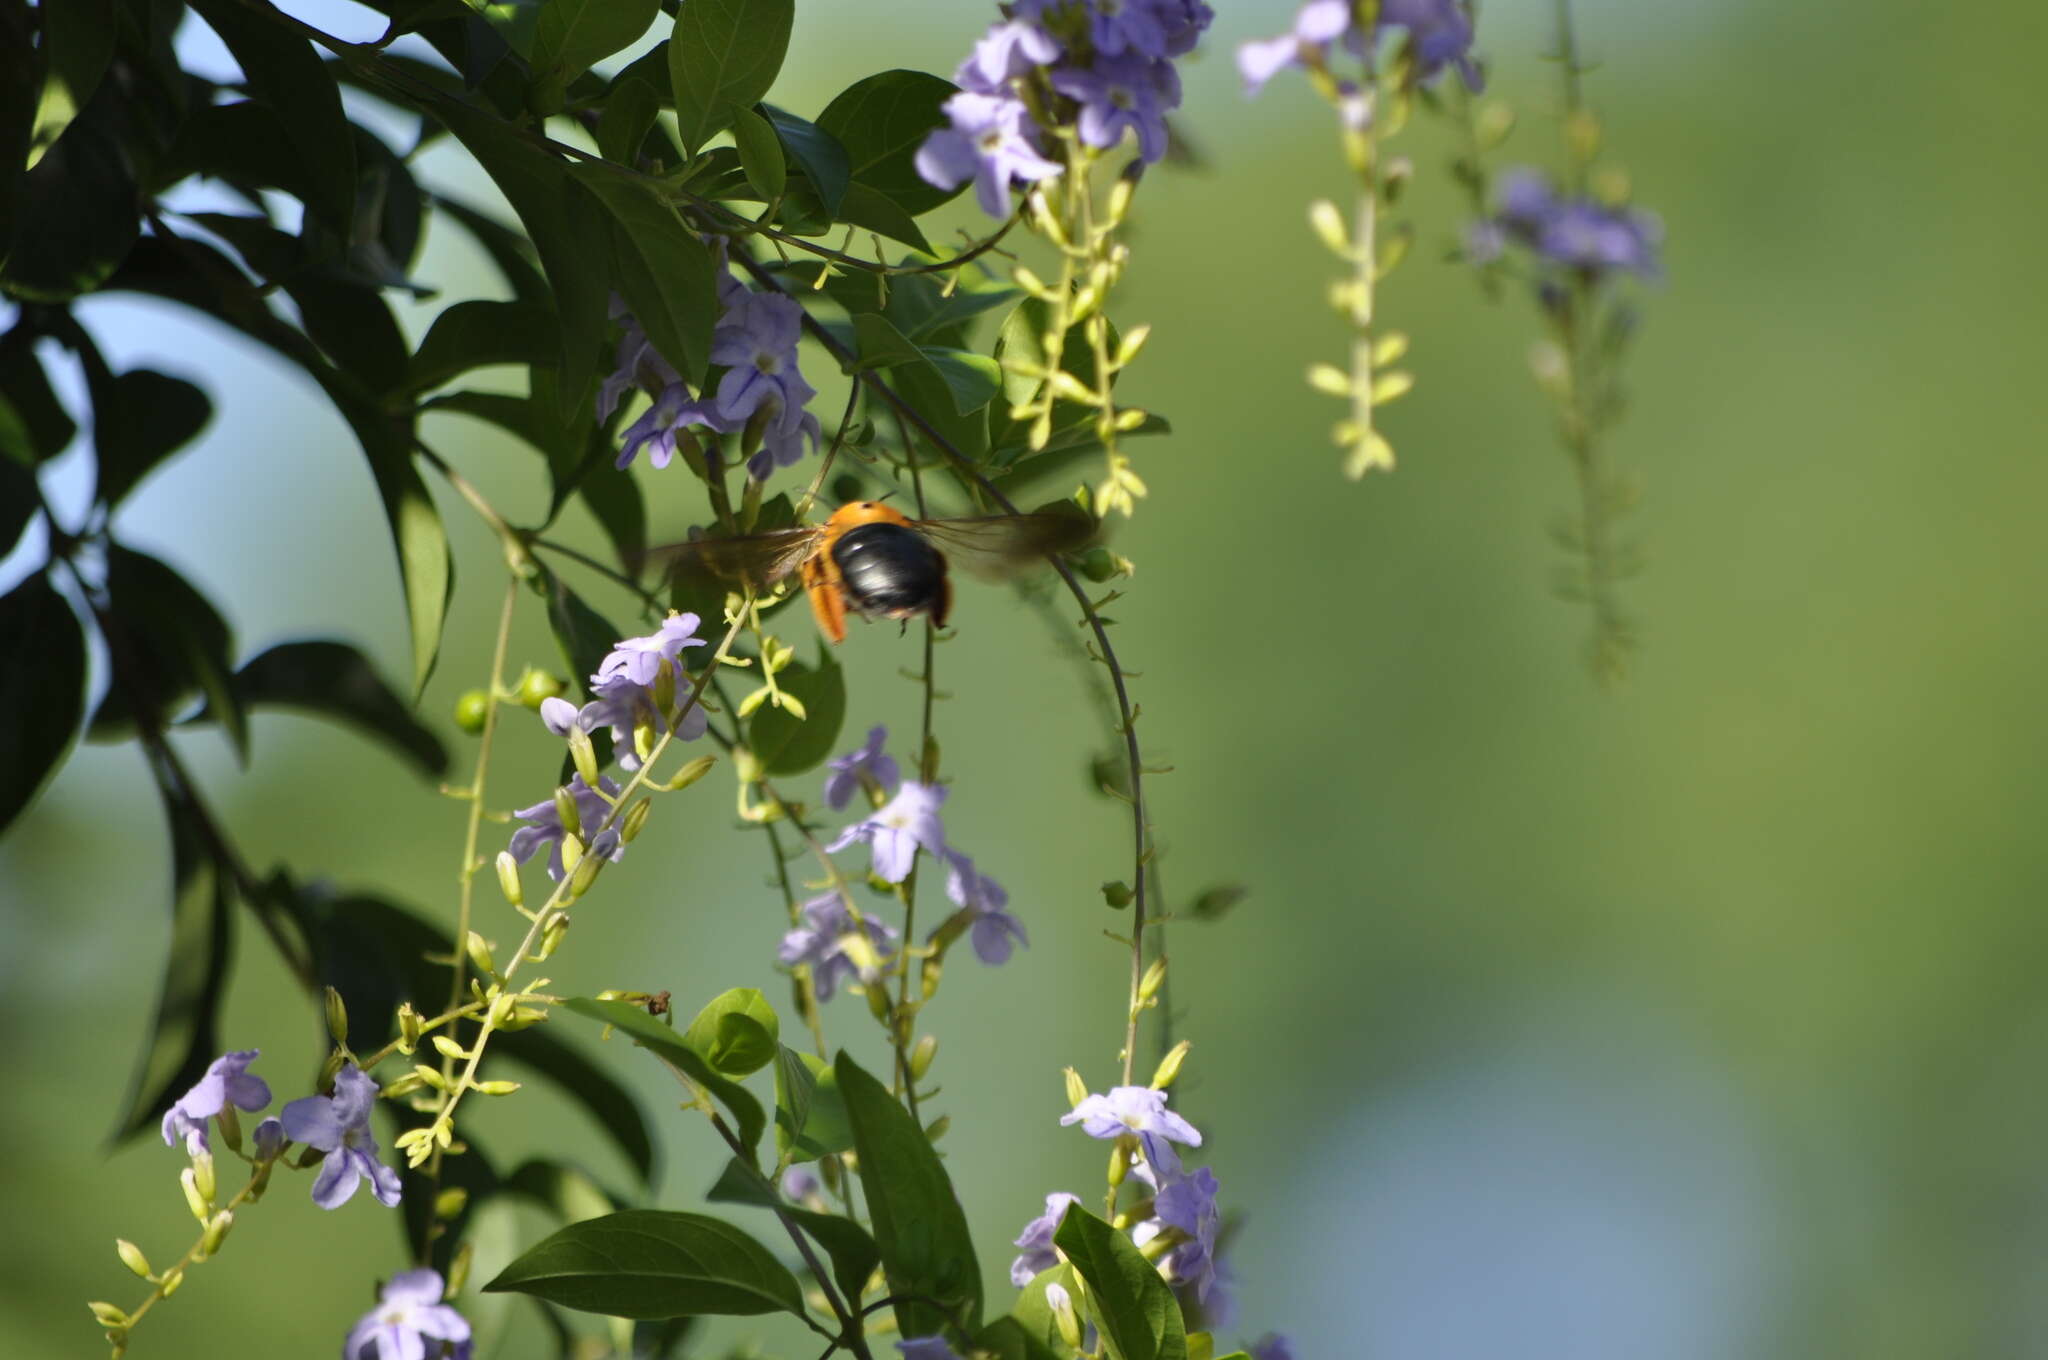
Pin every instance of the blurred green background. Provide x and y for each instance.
(1705, 1018)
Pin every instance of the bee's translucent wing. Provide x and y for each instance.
(757, 560)
(996, 546)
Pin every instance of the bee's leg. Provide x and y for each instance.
(828, 605)
(942, 604)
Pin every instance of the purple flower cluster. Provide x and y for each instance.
(1439, 31)
(544, 825)
(761, 396)
(640, 681)
(1036, 1239)
(1573, 231)
(228, 1081)
(821, 942)
(409, 1314)
(1186, 1203)
(1113, 59)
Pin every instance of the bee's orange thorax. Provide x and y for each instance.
(856, 513)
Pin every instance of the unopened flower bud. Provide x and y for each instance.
(508, 879)
(1169, 1066)
(922, 1055)
(458, 1269)
(480, 955)
(1077, 1090)
(269, 1139)
(1119, 1163)
(1117, 893)
(535, 686)
(496, 1088)
(1148, 985)
(450, 1202)
(636, 817)
(337, 1017)
(427, 1076)
(410, 1026)
(1329, 379)
(566, 811)
(585, 874)
(108, 1315)
(230, 1127)
(584, 756)
(1328, 224)
(448, 1048)
(132, 1257)
(217, 1231)
(200, 1205)
(572, 852)
(936, 1130)
(172, 1281)
(471, 711)
(1063, 1314)
(551, 935)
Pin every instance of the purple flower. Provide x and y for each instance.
(1440, 30)
(1526, 198)
(544, 826)
(269, 1139)
(1317, 24)
(1006, 51)
(660, 425)
(339, 1125)
(638, 364)
(870, 762)
(1442, 33)
(1272, 1346)
(1186, 20)
(821, 943)
(1123, 92)
(1142, 1111)
(408, 1314)
(762, 390)
(1036, 1239)
(1577, 233)
(640, 659)
(799, 1184)
(898, 828)
(1189, 1204)
(990, 142)
(1142, 27)
(994, 928)
(926, 1348)
(228, 1081)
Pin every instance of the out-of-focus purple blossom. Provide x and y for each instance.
(544, 826)
(269, 1138)
(868, 762)
(1186, 21)
(1128, 91)
(1189, 1204)
(339, 1125)
(640, 659)
(408, 1315)
(1036, 1240)
(1006, 51)
(1440, 29)
(799, 1184)
(994, 930)
(926, 1348)
(638, 364)
(821, 943)
(1142, 27)
(1219, 1309)
(898, 829)
(990, 142)
(1272, 1346)
(228, 1081)
(1576, 232)
(1142, 1111)
(1442, 33)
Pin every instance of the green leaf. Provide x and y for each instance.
(647, 1263)
(821, 158)
(475, 333)
(620, 510)
(286, 72)
(973, 379)
(353, 325)
(18, 503)
(164, 640)
(20, 74)
(629, 112)
(723, 56)
(78, 42)
(1134, 1307)
(143, 418)
(334, 680)
(570, 35)
(34, 426)
(75, 217)
(926, 388)
(927, 1252)
(760, 154)
(42, 691)
(787, 745)
(810, 1113)
(512, 253)
(662, 269)
(882, 121)
(243, 145)
(854, 1254)
(649, 1033)
(584, 636)
(794, 1089)
(1008, 1339)
(736, 1033)
(866, 206)
(880, 344)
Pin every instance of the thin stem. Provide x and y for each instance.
(927, 772)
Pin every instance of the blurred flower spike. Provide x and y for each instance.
(1439, 33)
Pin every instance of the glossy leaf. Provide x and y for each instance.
(882, 121)
(78, 42)
(880, 344)
(629, 112)
(973, 379)
(1031, 1332)
(141, 418)
(927, 1252)
(723, 56)
(927, 312)
(476, 333)
(810, 1114)
(165, 640)
(760, 154)
(817, 154)
(334, 680)
(926, 388)
(1131, 1303)
(866, 206)
(854, 1254)
(736, 1033)
(649, 1033)
(647, 1263)
(42, 689)
(19, 74)
(786, 745)
(662, 269)
(570, 35)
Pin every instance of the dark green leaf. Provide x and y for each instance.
(243, 145)
(662, 269)
(143, 419)
(621, 512)
(34, 426)
(1033, 1332)
(165, 641)
(78, 41)
(736, 1033)
(336, 681)
(285, 71)
(760, 154)
(353, 325)
(973, 379)
(42, 688)
(787, 745)
(813, 1124)
(723, 56)
(880, 344)
(377, 955)
(923, 309)
(570, 35)
(866, 206)
(18, 504)
(584, 635)
(1134, 1307)
(646, 1263)
(475, 333)
(649, 1033)
(818, 155)
(75, 218)
(925, 388)
(927, 1252)
(628, 114)
(854, 1254)
(882, 121)
(509, 251)
(20, 73)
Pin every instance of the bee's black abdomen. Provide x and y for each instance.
(889, 570)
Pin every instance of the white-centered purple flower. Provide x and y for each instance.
(661, 425)
(1035, 1241)
(1118, 93)
(991, 141)
(927, 1348)
(994, 931)
(763, 391)
(897, 830)
(544, 826)
(1006, 51)
(1187, 1203)
(640, 659)
(408, 1315)
(1139, 1111)
(869, 763)
(228, 1081)
(821, 942)
(339, 1125)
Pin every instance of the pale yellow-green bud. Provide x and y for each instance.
(1031, 283)
(1393, 252)
(1120, 197)
(201, 1207)
(936, 1130)
(1388, 386)
(644, 737)
(202, 1176)
(448, 1048)
(1148, 985)
(399, 1087)
(409, 1028)
(449, 1203)
(430, 1076)
(584, 756)
(508, 879)
(1330, 379)
(108, 1315)
(566, 811)
(665, 686)
(535, 686)
(635, 818)
(1133, 341)
(572, 852)
(1077, 1090)
(171, 1282)
(480, 955)
(1119, 1163)
(1611, 186)
(1130, 418)
(132, 1257)
(584, 874)
(471, 710)
(1169, 1066)
(330, 1068)
(789, 703)
(1372, 452)
(337, 1017)
(551, 935)
(752, 702)
(497, 1088)
(922, 1055)
(1328, 224)
(230, 1127)
(458, 1269)
(217, 1231)
(1388, 348)
(1495, 122)
(1063, 1315)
